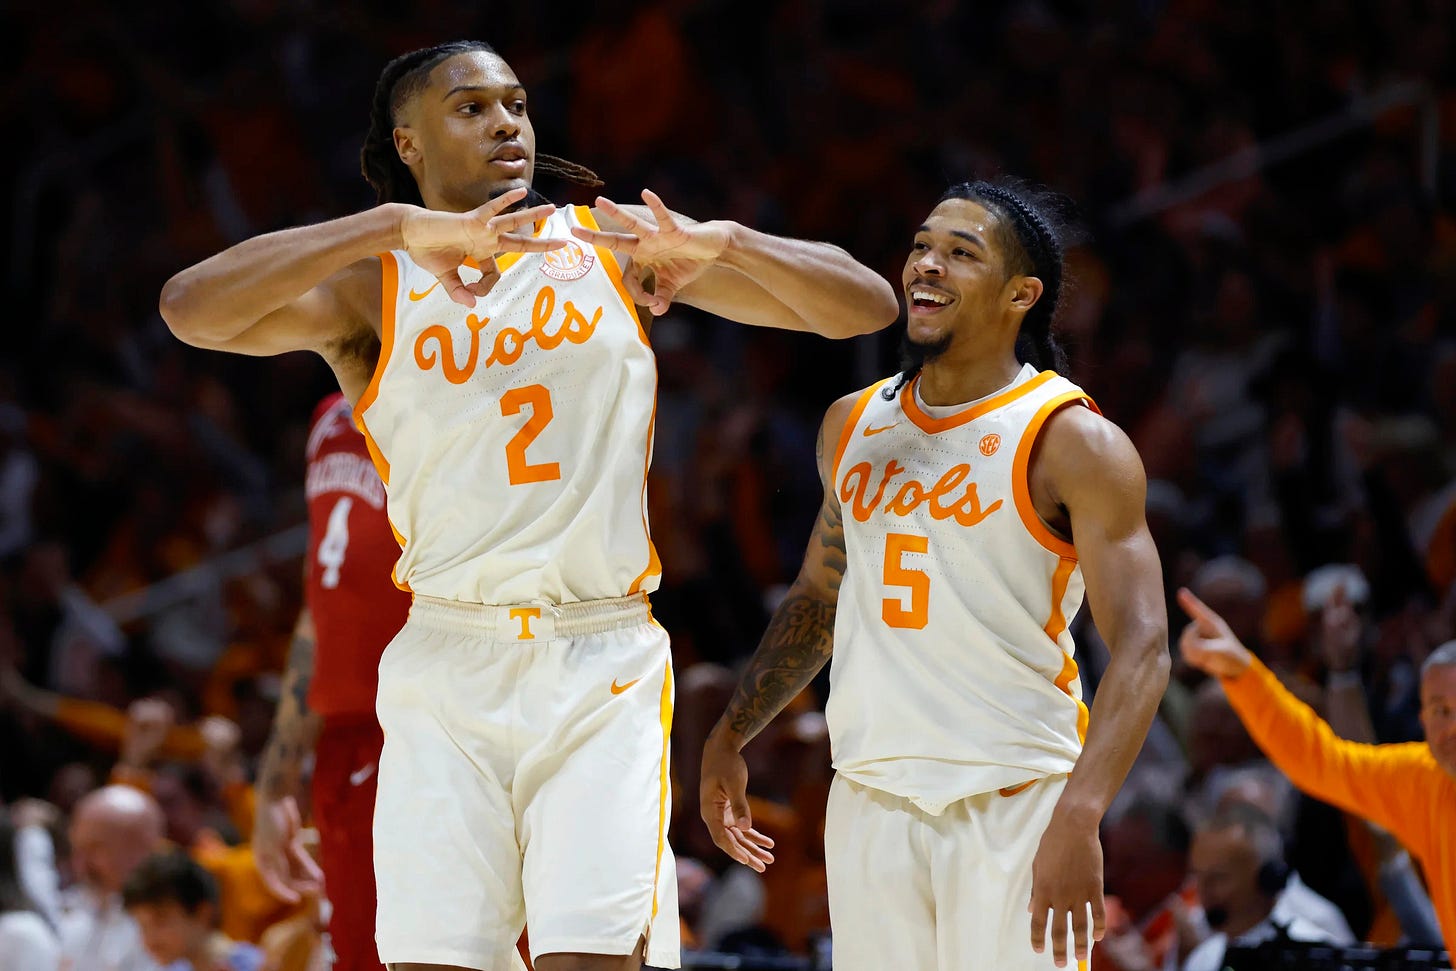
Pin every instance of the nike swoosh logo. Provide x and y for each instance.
(619, 688)
(416, 295)
(362, 776)
(875, 431)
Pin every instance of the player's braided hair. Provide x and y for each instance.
(1032, 231)
(401, 79)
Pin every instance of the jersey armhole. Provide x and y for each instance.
(1021, 472)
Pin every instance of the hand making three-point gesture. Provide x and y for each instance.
(668, 252)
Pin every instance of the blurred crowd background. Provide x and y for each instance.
(1279, 341)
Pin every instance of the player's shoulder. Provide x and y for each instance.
(854, 403)
(1079, 444)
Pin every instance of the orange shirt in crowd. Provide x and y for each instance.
(1399, 787)
(104, 726)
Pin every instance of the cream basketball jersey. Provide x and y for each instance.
(513, 438)
(952, 672)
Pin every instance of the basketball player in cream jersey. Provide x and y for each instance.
(968, 506)
(504, 382)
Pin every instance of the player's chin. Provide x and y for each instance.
(499, 187)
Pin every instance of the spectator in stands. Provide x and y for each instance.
(175, 902)
(1409, 789)
(113, 830)
(1237, 859)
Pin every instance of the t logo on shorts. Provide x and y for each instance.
(525, 615)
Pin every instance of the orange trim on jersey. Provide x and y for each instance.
(507, 260)
(608, 259)
(389, 267)
(849, 424)
(654, 565)
(664, 714)
(930, 425)
(1021, 477)
(1057, 624)
(1013, 790)
(1064, 683)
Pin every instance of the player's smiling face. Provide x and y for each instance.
(955, 276)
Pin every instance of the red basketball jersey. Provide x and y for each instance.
(356, 607)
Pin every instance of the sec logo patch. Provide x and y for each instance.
(989, 444)
(570, 262)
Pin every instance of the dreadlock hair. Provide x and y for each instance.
(1033, 229)
(403, 78)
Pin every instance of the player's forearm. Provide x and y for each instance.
(295, 725)
(1127, 700)
(281, 770)
(832, 293)
(219, 298)
(796, 646)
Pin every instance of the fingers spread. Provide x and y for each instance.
(619, 242)
(665, 220)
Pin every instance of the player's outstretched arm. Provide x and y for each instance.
(315, 286)
(283, 861)
(796, 646)
(1091, 469)
(730, 270)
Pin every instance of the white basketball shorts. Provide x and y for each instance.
(935, 893)
(524, 781)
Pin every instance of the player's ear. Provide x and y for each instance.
(407, 145)
(1025, 291)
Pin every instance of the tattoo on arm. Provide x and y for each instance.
(800, 637)
(295, 726)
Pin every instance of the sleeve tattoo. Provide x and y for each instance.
(294, 726)
(800, 636)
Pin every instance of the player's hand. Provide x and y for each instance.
(723, 801)
(284, 863)
(148, 721)
(667, 253)
(1207, 643)
(442, 241)
(1066, 878)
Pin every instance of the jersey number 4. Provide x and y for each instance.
(894, 610)
(538, 398)
(335, 544)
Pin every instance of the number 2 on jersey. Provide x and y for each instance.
(538, 398)
(896, 575)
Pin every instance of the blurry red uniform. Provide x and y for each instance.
(356, 611)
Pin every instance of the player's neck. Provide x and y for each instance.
(953, 382)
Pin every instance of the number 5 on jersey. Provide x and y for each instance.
(538, 399)
(896, 613)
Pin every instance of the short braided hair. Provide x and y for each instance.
(1033, 230)
(403, 78)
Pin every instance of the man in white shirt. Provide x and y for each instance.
(1237, 859)
(112, 830)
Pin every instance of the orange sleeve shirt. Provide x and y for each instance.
(1399, 787)
(104, 726)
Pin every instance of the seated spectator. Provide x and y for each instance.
(175, 903)
(1409, 788)
(1238, 862)
(113, 830)
(1149, 895)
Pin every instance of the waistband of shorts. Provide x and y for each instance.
(531, 622)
